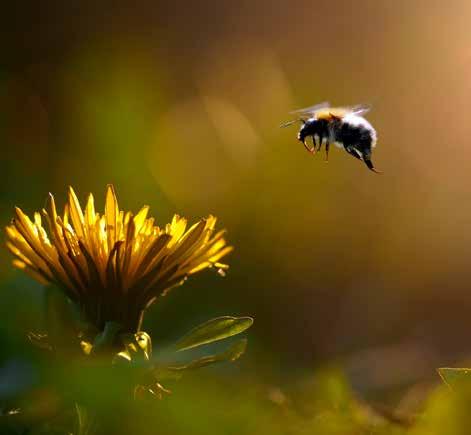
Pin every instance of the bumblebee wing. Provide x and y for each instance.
(311, 110)
(287, 124)
(359, 109)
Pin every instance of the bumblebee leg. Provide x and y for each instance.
(327, 146)
(310, 150)
(315, 142)
(366, 158)
(370, 165)
(353, 152)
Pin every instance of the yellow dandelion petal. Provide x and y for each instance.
(140, 218)
(112, 265)
(190, 238)
(130, 231)
(37, 219)
(29, 233)
(66, 215)
(148, 228)
(221, 253)
(33, 273)
(25, 227)
(76, 214)
(187, 245)
(176, 228)
(90, 210)
(17, 253)
(211, 222)
(120, 226)
(209, 248)
(154, 254)
(111, 216)
(89, 218)
(16, 241)
(211, 258)
(70, 262)
(56, 231)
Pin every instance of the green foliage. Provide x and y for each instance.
(320, 402)
(454, 376)
(175, 371)
(214, 330)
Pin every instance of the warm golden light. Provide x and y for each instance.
(115, 265)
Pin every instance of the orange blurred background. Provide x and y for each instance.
(179, 105)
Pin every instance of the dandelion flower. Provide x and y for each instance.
(112, 266)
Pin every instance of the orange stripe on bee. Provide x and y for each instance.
(331, 113)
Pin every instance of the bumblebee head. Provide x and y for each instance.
(301, 136)
(304, 131)
(310, 128)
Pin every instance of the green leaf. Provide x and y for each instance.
(454, 376)
(214, 330)
(175, 371)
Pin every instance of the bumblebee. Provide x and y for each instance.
(344, 127)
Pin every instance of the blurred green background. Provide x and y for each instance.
(178, 105)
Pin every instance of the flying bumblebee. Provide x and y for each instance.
(344, 127)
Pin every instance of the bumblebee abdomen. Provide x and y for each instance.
(356, 132)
